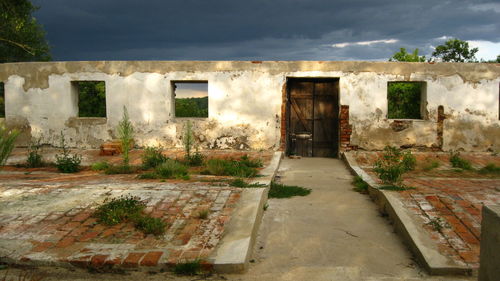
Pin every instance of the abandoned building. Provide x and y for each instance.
(311, 108)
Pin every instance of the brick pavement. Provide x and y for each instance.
(46, 217)
(448, 202)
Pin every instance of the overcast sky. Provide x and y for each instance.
(263, 29)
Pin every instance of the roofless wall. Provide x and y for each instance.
(249, 104)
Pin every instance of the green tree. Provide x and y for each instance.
(21, 37)
(402, 55)
(455, 50)
(91, 98)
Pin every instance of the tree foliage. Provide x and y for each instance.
(404, 100)
(402, 55)
(455, 50)
(91, 98)
(2, 100)
(22, 38)
(191, 107)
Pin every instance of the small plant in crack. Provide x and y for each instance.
(438, 224)
(188, 267)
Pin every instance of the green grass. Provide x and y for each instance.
(150, 225)
(222, 167)
(152, 157)
(243, 184)
(395, 187)
(428, 166)
(99, 166)
(490, 168)
(188, 267)
(120, 169)
(360, 185)
(458, 162)
(203, 214)
(171, 169)
(286, 191)
(118, 210)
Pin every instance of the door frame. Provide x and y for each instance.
(287, 107)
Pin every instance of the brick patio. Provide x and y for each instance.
(46, 218)
(452, 198)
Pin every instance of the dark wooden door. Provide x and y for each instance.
(313, 117)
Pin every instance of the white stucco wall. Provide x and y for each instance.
(245, 102)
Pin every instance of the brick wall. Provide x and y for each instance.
(345, 130)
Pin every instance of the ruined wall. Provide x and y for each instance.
(245, 102)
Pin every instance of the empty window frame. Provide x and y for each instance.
(191, 99)
(2, 100)
(406, 100)
(91, 98)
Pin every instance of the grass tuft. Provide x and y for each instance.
(458, 162)
(120, 169)
(99, 166)
(396, 187)
(360, 185)
(286, 191)
(150, 225)
(222, 167)
(152, 157)
(188, 267)
(118, 210)
(490, 168)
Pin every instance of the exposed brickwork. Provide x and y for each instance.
(452, 199)
(345, 130)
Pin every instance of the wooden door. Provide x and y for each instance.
(313, 117)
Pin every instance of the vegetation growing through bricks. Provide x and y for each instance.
(203, 214)
(391, 166)
(490, 168)
(65, 162)
(222, 167)
(243, 184)
(128, 208)
(7, 139)
(168, 170)
(438, 224)
(360, 185)
(188, 267)
(458, 162)
(153, 157)
(125, 132)
(99, 166)
(286, 191)
(34, 159)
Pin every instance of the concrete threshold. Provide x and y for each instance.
(234, 250)
(421, 245)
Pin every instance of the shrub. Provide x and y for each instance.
(126, 134)
(195, 159)
(360, 185)
(490, 168)
(150, 225)
(221, 167)
(117, 210)
(65, 162)
(458, 162)
(7, 139)
(152, 157)
(253, 163)
(286, 191)
(188, 267)
(188, 139)
(203, 214)
(120, 169)
(393, 164)
(99, 166)
(34, 159)
(171, 169)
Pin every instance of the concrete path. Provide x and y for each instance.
(332, 234)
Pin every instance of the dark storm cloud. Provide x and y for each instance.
(258, 29)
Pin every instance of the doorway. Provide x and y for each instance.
(312, 117)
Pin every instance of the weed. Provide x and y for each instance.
(117, 210)
(203, 214)
(438, 224)
(393, 164)
(266, 206)
(34, 159)
(126, 134)
(399, 187)
(458, 162)
(490, 168)
(99, 166)
(195, 159)
(430, 165)
(360, 185)
(171, 169)
(153, 157)
(65, 162)
(286, 191)
(150, 175)
(188, 267)
(241, 183)
(221, 167)
(253, 163)
(150, 225)
(120, 169)
(7, 139)
(188, 138)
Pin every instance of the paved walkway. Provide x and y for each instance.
(450, 198)
(332, 234)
